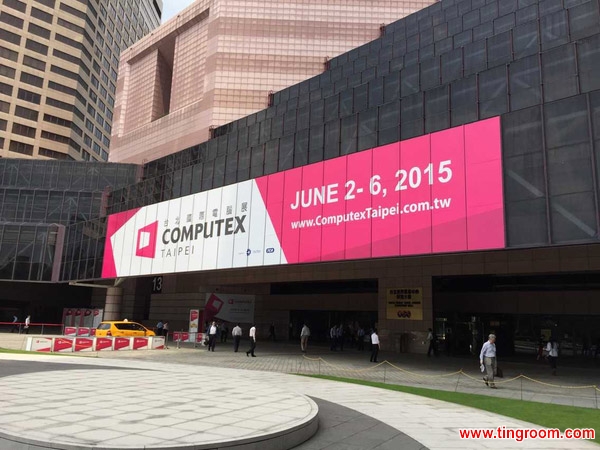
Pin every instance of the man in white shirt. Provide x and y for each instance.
(212, 336)
(237, 335)
(374, 346)
(252, 336)
(552, 350)
(27, 323)
(487, 357)
(304, 334)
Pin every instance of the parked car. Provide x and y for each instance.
(122, 328)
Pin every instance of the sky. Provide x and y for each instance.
(172, 7)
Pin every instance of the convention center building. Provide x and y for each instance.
(444, 175)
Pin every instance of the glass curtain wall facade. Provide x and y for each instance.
(43, 203)
(533, 63)
(58, 73)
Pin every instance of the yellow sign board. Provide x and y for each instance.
(405, 303)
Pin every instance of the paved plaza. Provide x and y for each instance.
(176, 397)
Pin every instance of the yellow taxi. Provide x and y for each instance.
(124, 328)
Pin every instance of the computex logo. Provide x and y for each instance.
(146, 241)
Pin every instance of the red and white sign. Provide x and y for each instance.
(232, 308)
(194, 317)
(140, 343)
(157, 342)
(70, 331)
(83, 344)
(436, 193)
(121, 343)
(103, 344)
(36, 344)
(83, 331)
(62, 345)
(199, 337)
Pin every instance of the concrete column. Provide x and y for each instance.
(114, 302)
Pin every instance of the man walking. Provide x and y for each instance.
(15, 322)
(27, 323)
(212, 336)
(361, 338)
(159, 328)
(487, 357)
(431, 341)
(340, 337)
(333, 337)
(374, 345)
(304, 334)
(252, 336)
(237, 335)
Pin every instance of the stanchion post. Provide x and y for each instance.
(319, 366)
(521, 378)
(42, 329)
(384, 373)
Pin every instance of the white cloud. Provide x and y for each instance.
(172, 7)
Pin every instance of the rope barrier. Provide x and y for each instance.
(450, 374)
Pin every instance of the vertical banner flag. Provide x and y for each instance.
(194, 317)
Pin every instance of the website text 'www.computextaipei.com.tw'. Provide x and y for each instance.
(380, 212)
(522, 434)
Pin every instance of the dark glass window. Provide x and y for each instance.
(493, 92)
(437, 110)
(9, 19)
(452, 65)
(430, 73)
(527, 14)
(504, 23)
(26, 113)
(499, 49)
(349, 135)
(20, 147)
(588, 53)
(39, 31)
(73, 11)
(29, 96)
(7, 72)
(32, 79)
(463, 100)
(8, 36)
(525, 85)
(42, 15)
(411, 116)
(315, 146)
(524, 179)
(34, 63)
(15, 4)
(559, 71)
(475, 57)
(554, 29)
(6, 89)
(23, 130)
(6, 53)
(409, 80)
(36, 47)
(584, 20)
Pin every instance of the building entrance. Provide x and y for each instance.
(523, 311)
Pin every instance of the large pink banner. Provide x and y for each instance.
(432, 194)
(437, 193)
